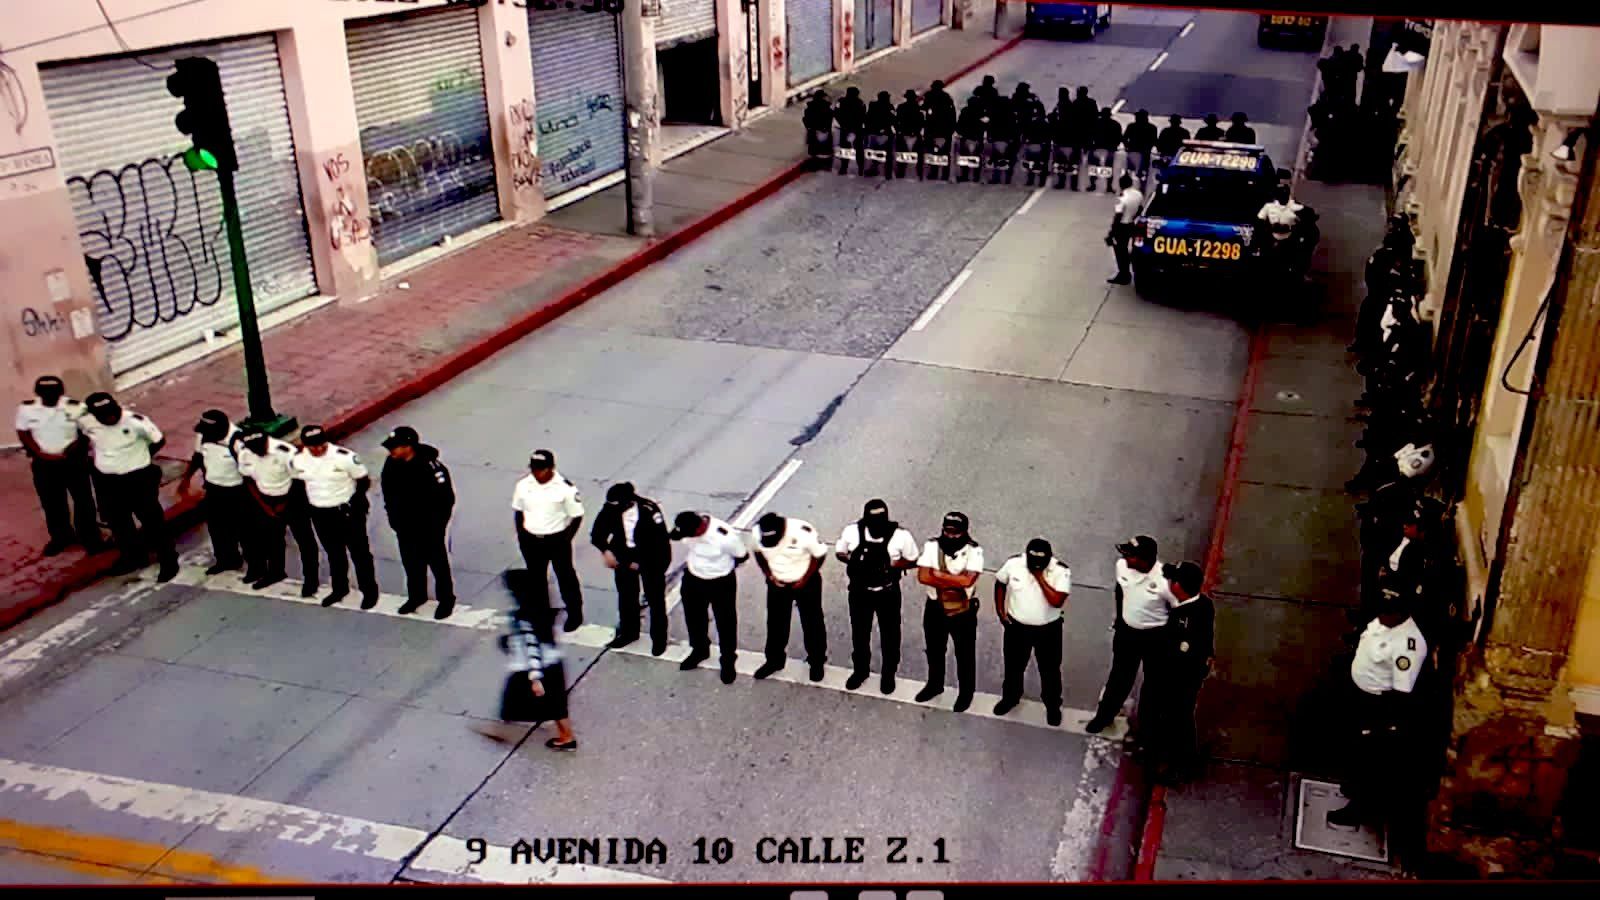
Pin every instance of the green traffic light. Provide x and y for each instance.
(199, 160)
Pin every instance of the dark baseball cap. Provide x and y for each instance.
(686, 524)
(1039, 549)
(771, 526)
(100, 400)
(620, 493)
(1140, 547)
(312, 435)
(402, 436)
(1186, 575)
(211, 418)
(542, 459)
(44, 381)
(956, 520)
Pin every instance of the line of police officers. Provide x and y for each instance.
(1077, 131)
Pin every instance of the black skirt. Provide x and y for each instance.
(518, 703)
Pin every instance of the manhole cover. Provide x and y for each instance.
(1288, 396)
(1312, 831)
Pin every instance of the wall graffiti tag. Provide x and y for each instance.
(524, 145)
(848, 33)
(777, 53)
(42, 324)
(150, 243)
(427, 178)
(346, 227)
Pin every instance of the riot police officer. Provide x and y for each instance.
(419, 497)
(226, 494)
(1107, 138)
(128, 483)
(1033, 128)
(939, 130)
(336, 486)
(1240, 132)
(818, 119)
(908, 122)
(1086, 110)
(1067, 140)
(1211, 131)
(1171, 138)
(880, 136)
(971, 129)
(988, 95)
(47, 426)
(851, 114)
(1002, 145)
(1139, 140)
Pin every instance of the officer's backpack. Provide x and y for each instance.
(869, 564)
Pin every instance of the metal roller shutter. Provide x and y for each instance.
(577, 96)
(874, 25)
(685, 20)
(425, 143)
(150, 230)
(810, 30)
(925, 14)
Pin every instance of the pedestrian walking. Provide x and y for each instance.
(279, 506)
(548, 514)
(128, 483)
(1379, 701)
(536, 689)
(876, 552)
(1143, 599)
(1177, 670)
(1120, 236)
(58, 454)
(226, 495)
(790, 553)
(1030, 592)
(418, 497)
(336, 485)
(949, 568)
(710, 587)
(631, 534)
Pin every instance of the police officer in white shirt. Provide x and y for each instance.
(47, 426)
(1143, 600)
(128, 483)
(710, 587)
(278, 504)
(949, 568)
(1379, 700)
(226, 494)
(336, 489)
(1030, 591)
(549, 512)
(1129, 205)
(789, 552)
(876, 552)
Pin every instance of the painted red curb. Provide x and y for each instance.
(185, 514)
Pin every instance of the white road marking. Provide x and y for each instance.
(1159, 60)
(1186, 29)
(18, 657)
(1117, 107)
(764, 496)
(1081, 828)
(233, 814)
(597, 637)
(939, 301)
(1028, 203)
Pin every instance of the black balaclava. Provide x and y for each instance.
(875, 520)
(49, 389)
(255, 442)
(213, 425)
(104, 407)
(953, 545)
(1038, 555)
(771, 526)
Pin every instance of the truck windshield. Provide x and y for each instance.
(1230, 200)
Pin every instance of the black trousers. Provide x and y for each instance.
(653, 580)
(265, 545)
(1130, 648)
(1123, 253)
(54, 480)
(1171, 694)
(781, 603)
(422, 547)
(343, 533)
(1042, 643)
(884, 604)
(703, 598)
(552, 551)
(939, 631)
(1376, 753)
(225, 519)
(1100, 156)
(136, 495)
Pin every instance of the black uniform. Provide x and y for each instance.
(1002, 141)
(1239, 132)
(1107, 138)
(851, 114)
(818, 120)
(642, 561)
(940, 127)
(971, 128)
(1171, 138)
(880, 131)
(419, 498)
(1178, 667)
(1210, 131)
(1139, 140)
(908, 122)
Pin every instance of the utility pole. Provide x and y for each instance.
(641, 119)
(205, 119)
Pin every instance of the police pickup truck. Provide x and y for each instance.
(1086, 19)
(1201, 214)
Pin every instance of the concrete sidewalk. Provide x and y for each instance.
(344, 366)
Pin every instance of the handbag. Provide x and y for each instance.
(954, 599)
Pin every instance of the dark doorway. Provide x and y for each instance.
(689, 84)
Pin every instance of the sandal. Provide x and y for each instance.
(555, 744)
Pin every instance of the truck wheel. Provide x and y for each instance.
(1147, 281)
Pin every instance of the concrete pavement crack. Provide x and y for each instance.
(855, 218)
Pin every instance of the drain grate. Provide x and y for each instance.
(1312, 831)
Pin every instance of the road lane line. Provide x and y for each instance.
(764, 496)
(1186, 29)
(1159, 60)
(939, 301)
(1028, 203)
(1081, 827)
(1117, 107)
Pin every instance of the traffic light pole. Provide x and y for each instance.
(258, 393)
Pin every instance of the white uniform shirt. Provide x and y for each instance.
(1394, 558)
(1281, 215)
(1388, 659)
(1025, 600)
(221, 468)
(713, 554)
(123, 447)
(967, 559)
(330, 478)
(272, 471)
(546, 508)
(1129, 203)
(1145, 596)
(630, 521)
(901, 544)
(799, 545)
(54, 428)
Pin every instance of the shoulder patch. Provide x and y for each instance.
(137, 417)
(343, 451)
(1403, 663)
(31, 401)
(1411, 643)
(568, 481)
(807, 529)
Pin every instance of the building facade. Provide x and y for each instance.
(1496, 163)
(371, 135)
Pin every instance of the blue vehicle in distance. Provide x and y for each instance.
(1201, 215)
(1083, 19)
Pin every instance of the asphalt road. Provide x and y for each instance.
(792, 361)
